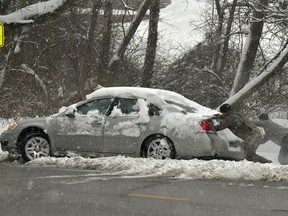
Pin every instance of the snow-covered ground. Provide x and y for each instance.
(187, 169)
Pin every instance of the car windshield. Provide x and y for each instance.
(185, 107)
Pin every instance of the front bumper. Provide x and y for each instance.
(8, 141)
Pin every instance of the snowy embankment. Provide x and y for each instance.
(186, 169)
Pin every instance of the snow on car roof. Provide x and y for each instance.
(156, 96)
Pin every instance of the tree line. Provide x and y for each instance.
(51, 59)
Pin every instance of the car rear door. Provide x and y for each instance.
(125, 126)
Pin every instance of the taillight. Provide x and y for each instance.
(205, 125)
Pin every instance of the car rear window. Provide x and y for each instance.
(185, 107)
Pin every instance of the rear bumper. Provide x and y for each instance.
(227, 148)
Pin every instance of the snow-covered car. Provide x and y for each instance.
(131, 121)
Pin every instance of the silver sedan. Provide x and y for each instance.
(131, 121)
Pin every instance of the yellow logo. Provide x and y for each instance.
(1, 35)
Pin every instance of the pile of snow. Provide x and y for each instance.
(186, 169)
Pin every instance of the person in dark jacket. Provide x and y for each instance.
(277, 134)
(243, 128)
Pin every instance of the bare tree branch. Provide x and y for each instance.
(255, 83)
(23, 15)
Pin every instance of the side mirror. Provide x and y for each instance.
(70, 112)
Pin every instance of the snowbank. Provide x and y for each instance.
(187, 169)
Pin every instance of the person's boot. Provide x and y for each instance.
(258, 158)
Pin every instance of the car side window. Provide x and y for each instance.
(128, 106)
(153, 110)
(99, 105)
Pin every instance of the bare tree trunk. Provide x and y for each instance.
(91, 36)
(218, 34)
(93, 21)
(105, 43)
(250, 48)
(130, 33)
(227, 37)
(151, 44)
(3, 66)
(28, 70)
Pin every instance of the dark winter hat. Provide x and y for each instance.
(263, 117)
(225, 108)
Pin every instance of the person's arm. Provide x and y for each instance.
(264, 139)
(224, 123)
(259, 123)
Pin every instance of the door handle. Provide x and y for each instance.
(96, 123)
(142, 123)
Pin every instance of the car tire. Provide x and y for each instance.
(35, 145)
(159, 147)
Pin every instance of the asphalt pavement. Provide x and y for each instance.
(45, 191)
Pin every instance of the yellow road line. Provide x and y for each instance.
(158, 197)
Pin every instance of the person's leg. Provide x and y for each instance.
(250, 146)
(252, 142)
(283, 154)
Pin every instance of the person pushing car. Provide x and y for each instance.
(244, 129)
(277, 134)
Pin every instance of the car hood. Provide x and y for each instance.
(38, 121)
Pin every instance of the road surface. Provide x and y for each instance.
(46, 191)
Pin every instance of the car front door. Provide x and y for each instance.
(82, 131)
(125, 126)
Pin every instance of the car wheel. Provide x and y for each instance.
(159, 147)
(35, 145)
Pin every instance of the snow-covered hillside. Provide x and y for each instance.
(178, 22)
(177, 26)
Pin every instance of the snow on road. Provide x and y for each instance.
(186, 169)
